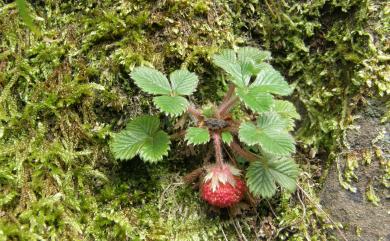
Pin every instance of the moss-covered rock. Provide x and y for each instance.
(65, 89)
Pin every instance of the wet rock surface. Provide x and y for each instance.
(369, 149)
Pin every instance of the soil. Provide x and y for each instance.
(361, 219)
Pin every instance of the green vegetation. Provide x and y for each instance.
(66, 87)
(269, 133)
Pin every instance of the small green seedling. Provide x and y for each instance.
(260, 135)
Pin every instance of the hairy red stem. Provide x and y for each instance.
(225, 107)
(218, 148)
(244, 153)
(177, 135)
(229, 93)
(195, 112)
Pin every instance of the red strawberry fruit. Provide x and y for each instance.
(222, 186)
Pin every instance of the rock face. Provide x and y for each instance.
(362, 219)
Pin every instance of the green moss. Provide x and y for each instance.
(371, 196)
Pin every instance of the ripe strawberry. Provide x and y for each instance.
(222, 186)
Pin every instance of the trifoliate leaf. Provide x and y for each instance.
(183, 82)
(141, 136)
(172, 105)
(197, 136)
(263, 175)
(270, 133)
(255, 100)
(151, 81)
(271, 81)
(243, 64)
(227, 137)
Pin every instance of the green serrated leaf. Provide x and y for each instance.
(271, 81)
(284, 171)
(263, 175)
(197, 136)
(287, 112)
(155, 147)
(151, 81)
(240, 70)
(277, 142)
(253, 53)
(125, 145)
(143, 126)
(270, 120)
(251, 61)
(269, 132)
(226, 56)
(172, 105)
(247, 68)
(265, 67)
(227, 60)
(141, 136)
(243, 64)
(183, 82)
(286, 109)
(259, 180)
(227, 137)
(255, 100)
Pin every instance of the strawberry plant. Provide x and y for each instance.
(259, 134)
